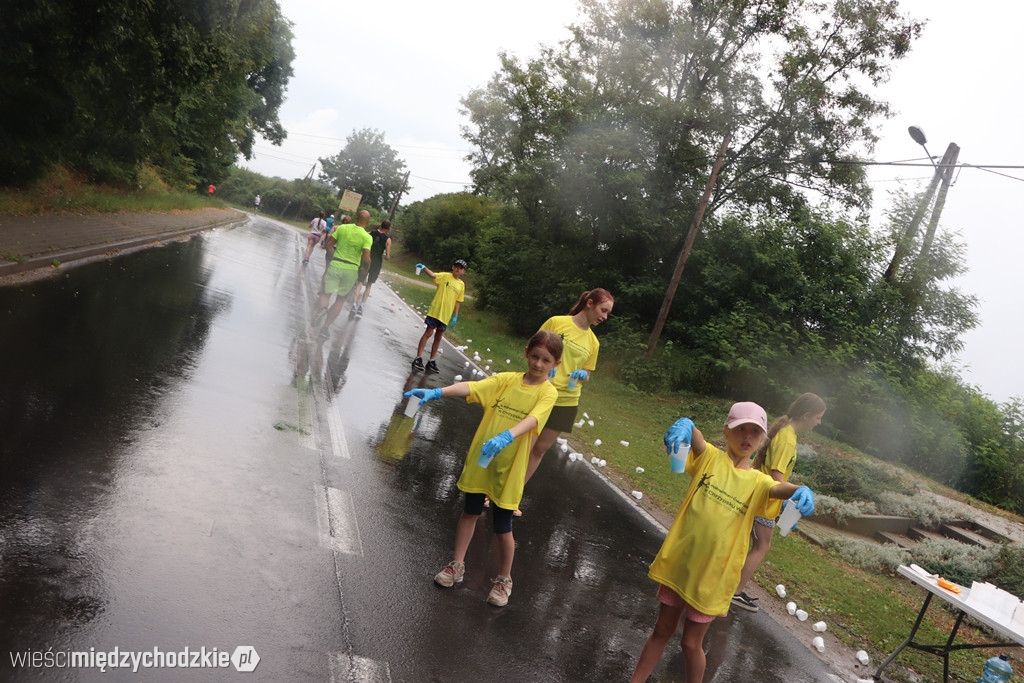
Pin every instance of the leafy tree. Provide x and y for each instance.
(105, 86)
(607, 139)
(367, 165)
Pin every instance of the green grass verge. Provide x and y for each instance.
(864, 610)
(63, 190)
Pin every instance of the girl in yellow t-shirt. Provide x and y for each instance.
(515, 405)
(579, 360)
(776, 459)
(700, 560)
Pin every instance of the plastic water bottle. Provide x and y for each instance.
(997, 670)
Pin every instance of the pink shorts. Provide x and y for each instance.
(669, 597)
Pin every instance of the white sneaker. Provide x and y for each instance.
(501, 590)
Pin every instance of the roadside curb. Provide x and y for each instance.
(72, 256)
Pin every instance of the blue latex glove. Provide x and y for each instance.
(455, 319)
(496, 443)
(679, 433)
(424, 394)
(803, 498)
(579, 374)
(552, 372)
(420, 265)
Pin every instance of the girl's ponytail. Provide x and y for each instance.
(597, 295)
(805, 404)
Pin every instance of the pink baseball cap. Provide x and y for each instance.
(744, 412)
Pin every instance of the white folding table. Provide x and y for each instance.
(958, 602)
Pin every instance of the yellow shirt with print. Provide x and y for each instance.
(781, 456)
(704, 551)
(507, 402)
(579, 352)
(449, 291)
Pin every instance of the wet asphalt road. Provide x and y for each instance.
(186, 466)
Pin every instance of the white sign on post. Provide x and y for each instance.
(349, 201)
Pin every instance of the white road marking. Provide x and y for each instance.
(336, 521)
(339, 445)
(352, 669)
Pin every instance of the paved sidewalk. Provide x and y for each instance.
(34, 242)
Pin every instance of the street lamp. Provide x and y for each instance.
(919, 138)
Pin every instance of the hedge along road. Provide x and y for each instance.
(187, 466)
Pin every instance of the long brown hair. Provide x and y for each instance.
(805, 404)
(597, 295)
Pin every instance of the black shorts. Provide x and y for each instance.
(562, 418)
(371, 275)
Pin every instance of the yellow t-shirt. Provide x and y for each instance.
(781, 456)
(703, 554)
(449, 291)
(507, 402)
(579, 351)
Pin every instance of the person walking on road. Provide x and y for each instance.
(256, 204)
(699, 563)
(515, 405)
(579, 362)
(349, 248)
(443, 312)
(776, 458)
(379, 252)
(316, 231)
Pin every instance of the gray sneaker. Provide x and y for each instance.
(452, 574)
(501, 590)
(359, 311)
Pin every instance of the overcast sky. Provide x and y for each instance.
(401, 67)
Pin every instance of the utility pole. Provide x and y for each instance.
(394, 204)
(309, 176)
(943, 174)
(670, 293)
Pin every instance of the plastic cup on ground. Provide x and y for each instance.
(412, 406)
(791, 607)
(820, 626)
(801, 615)
(819, 643)
(419, 269)
(781, 590)
(863, 658)
(790, 516)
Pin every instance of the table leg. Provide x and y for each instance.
(909, 640)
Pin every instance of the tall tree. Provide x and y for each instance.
(607, 139)
(367, 165)
(105, 86)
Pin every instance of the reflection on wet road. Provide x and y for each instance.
(186, 464)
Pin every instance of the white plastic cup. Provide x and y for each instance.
(572, 383)
(801, 615)
(484, 460)
(791, 607)
(679, 459)
(781, 590)
(863, 658)
(412, 406)
(820, 626)
(790, 516)
(419, 269)
(638, 495)
(819, 643)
